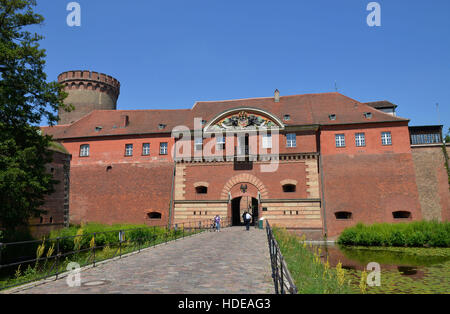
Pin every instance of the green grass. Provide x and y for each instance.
(413, 234)
(311, 276)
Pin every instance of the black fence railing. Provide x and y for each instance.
(284, 284)
(29, 261)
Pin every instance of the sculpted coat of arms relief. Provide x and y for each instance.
(242, 121)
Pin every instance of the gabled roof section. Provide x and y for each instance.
(309, 109)
(305, 109)
(120, 122)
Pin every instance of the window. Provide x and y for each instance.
(161, 126)
(340, 140)
(163, 148)
(401, 215)
(430, 138)
(129, 150)
(360, 139)
(201, 190)
(289, 188)
(84, 150)
(267, 141)
(220, 142)
(332, 117)
(291, 140)
(146, 149)
(343, 215)
(154, 215)
(368, 115)
(386, 138)
(287, 117)
(198, 143)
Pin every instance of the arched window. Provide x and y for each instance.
(401, 215)
(154, 215)
(343, 215)
(289, 188)
(201, 189)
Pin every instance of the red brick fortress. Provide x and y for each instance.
(316, 163)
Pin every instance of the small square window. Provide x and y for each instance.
(368, 115)
(340, 140)
(198, 143)
(287, 117)
(267, 141)
(360, 139)
(161, 126)
(332, 117)
(146, 149)
(84, 150)
(220, 142)
(291, 140)
(129, 150)
(163, 148)
(386, 138)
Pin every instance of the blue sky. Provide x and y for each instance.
(169, 54)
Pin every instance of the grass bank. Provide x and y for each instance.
(310, 274)
(413, 234)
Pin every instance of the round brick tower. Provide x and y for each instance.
(88, 91)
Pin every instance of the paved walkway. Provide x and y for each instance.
(231, 261)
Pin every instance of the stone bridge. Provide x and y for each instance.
(232, 261)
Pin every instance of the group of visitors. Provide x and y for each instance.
(246, 217)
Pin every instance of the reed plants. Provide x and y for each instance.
(310, 274)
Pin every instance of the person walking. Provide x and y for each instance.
(217, 221)
(248, 218)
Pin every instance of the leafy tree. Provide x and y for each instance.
(447, 137)
(26, 98)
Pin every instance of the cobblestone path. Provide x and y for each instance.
(231, 261)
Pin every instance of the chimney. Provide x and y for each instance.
(277, 95)
(125, 121)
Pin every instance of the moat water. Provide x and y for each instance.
(418, 270)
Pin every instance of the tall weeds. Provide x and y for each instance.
(311, 276)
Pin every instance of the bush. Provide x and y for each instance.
(414, 234)
(107, 235)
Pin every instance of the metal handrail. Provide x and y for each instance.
(284, 284)
(59, 255)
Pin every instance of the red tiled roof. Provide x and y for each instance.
(308, 109)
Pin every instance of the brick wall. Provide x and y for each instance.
(372, 181)
(432, 181)
(57, 204)
(124, 193)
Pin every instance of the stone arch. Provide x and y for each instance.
(244, 178)
(289, 181)
(197, 184)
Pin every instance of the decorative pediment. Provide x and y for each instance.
(244, 119)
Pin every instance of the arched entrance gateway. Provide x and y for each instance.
(242, 204)
(244, 193)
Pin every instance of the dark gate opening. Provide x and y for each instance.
(236, 211)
